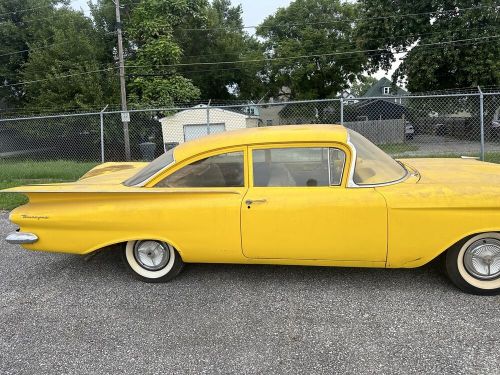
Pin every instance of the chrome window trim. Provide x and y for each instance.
(242, 151)
(329, 167)
(328, 148)
(351, 183)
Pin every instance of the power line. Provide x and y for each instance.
(57, 77)
(27, 9)
(299, 24)
(304, 56)
(408, 15)
(364, 39)
(183, 72)
(30, 20)
(248, 61)
(45, 47)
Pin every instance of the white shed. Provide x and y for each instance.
(192, 123)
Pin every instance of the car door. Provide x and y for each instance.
(298, 207)
(199, 209)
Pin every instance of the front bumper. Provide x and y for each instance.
(19, 238)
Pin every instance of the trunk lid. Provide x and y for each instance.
(107, 177)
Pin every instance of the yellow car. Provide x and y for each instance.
(318, 195)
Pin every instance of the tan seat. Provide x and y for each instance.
(280, 176)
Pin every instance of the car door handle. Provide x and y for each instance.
(249, 202)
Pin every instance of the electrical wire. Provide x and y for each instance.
(45, 47)
(408, 15)
(244, 61)
(58, 77)
(26, 10)
(303, 56)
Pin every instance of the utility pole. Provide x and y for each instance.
(123, 90)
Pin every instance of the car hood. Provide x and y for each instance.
(450, 171)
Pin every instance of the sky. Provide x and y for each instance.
(254, 12)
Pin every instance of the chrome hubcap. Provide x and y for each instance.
(151, 255)
(482, 259)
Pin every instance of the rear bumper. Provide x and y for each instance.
(19, 238)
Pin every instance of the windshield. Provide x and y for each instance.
(151, 169)
(373, 166)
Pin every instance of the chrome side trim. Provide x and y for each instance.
(18, 238)
(350, 180)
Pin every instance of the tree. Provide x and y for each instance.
(219, 36)
(50, 55)
(154, 53)
(451, 44)
(16, 32)
(321, 28)
(362, 85)
(68, 65)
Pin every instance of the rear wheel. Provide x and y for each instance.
(474, 265)
(152, 261)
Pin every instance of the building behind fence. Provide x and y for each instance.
(451, 124)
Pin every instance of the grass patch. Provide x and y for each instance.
(15, 173)
(395, 148)
(492, 157)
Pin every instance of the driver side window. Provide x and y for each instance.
(223, 170)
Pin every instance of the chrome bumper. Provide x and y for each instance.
(17, 238)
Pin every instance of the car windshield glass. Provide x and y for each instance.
(373, 166)
(151, 169)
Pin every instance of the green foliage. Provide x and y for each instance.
(55, 41)
(154, 50)
(17, 30)
(312, 27)
(362, 85)
(431, 65)
(223, 40)
(74, 47)
(162, 38)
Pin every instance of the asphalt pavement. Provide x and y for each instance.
(62, 314)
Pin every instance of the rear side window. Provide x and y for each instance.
(301, 166)
(224, 170)
(151, 169)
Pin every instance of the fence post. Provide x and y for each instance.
(208, 116)
(101, 115)
(481, 120)
(342, 111)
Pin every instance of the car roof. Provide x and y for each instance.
(262, 135)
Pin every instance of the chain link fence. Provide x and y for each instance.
(440, 125)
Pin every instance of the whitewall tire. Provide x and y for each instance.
(474, 264)
(152, 261)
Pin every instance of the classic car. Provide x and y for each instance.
(318, 195)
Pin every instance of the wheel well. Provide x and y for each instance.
(464, 240)
(121, 245)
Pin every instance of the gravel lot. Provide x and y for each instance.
(60, 314)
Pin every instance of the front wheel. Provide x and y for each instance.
(152, 261)
(474, 265)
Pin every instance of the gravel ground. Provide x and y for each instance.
(60, 314)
